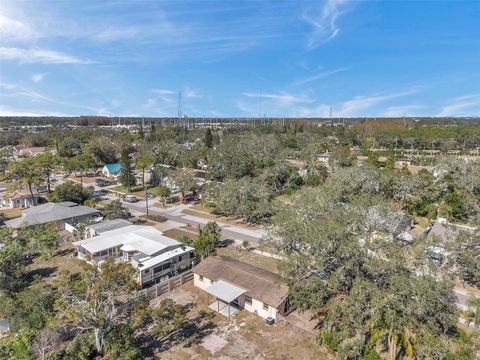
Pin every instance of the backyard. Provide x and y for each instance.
(243, 336)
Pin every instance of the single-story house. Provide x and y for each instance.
(100, 228)
(237, 285)
(112, 170)
(444, 232)
(20, 199)
(403, 162)
(155, 256)
(25, 151)
(65, 215)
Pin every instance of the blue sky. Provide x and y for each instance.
(229, 58)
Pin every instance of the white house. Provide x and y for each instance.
(112, 170)
(19, 199)
(155, 256)
(237, 285)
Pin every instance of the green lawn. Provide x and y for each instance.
(136, 190)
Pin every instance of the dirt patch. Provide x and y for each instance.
(214, 343)
(180, 295)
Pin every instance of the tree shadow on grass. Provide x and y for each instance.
(192, 332)
(42, 272)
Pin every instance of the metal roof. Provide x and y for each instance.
(144, 239)
(225, 291)
(149, 262)
(114, 168)
(109, 225)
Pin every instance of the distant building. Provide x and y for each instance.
(323, 158)
(155, 256)
(65, 215)
(237, 285)
(20, 199)
(444, 232)
(25, 151)
(403, 162)
(112, 170)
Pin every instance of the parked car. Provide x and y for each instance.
(189, 200)
(102, 182)
(42, 189)
(130, 198)
(99, 194)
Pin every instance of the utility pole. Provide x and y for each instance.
(179, 107)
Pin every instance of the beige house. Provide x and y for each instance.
(236, 285)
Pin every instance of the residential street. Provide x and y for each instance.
(237, 233)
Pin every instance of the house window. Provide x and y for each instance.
(147, 271)
(179, 258)
(265, 306)
(200, 277)
(248, 300)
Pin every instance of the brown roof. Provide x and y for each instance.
(260, 284)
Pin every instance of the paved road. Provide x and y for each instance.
(229, 231)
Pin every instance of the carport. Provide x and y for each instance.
(225, 293)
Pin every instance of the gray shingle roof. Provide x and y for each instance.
(42, 214)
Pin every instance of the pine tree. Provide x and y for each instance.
(127, 178)
(208, 138)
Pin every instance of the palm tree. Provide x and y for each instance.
(397, 340)
(474, 302)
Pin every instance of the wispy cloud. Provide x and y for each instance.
(37, 77)
(281, 98)
(324, 22)
(360, 104)
(190, 93)
(403, 110)
(12, 29)
(6, 111)
(468, 105)
(43, 56)
(320, 75)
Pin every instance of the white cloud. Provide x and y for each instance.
(163, 91)
(188, 92)
(360, 104)
(37, 77)
(402, 110)
(282, 98)
(36, 55)
(468, 105)
(325, 23)
(321, 75)
(14, 29)
(6, 111)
